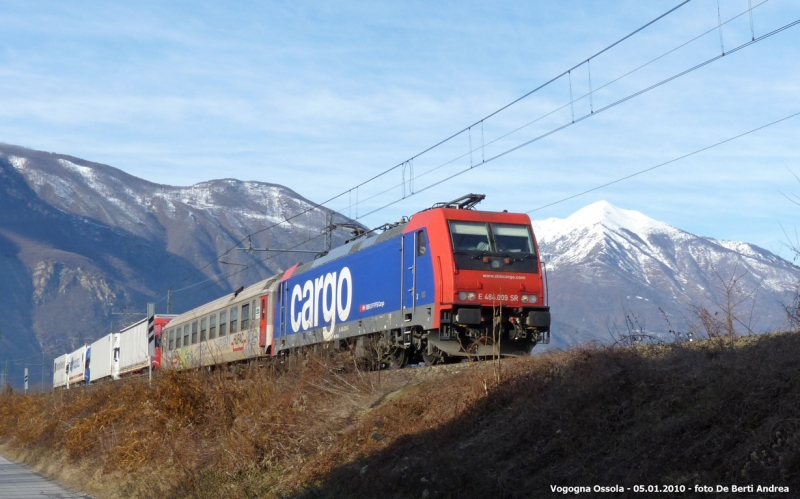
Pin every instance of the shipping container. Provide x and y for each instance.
(76, 369)
(60, 371)
(101, 359)
(133, 348)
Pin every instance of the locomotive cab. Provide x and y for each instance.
(491, 297)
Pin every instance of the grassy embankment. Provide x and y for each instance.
(713, 412)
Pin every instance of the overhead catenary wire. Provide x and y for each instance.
(598, 111)
(568, 103)
(665, 163)
(398, 165)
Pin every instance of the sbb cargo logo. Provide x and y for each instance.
(332, 295)
(370, 306)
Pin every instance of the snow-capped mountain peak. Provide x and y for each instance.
(617, 260)
(612, 217)
(601, 217)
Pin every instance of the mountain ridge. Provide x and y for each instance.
(82, 240)
(606, 251)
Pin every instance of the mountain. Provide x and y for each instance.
(611, 268)
(80, 241)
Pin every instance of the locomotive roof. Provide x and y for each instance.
(350, 248)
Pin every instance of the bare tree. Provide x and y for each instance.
(732, 313)
(793, 311)
(793, 245)
(635, 332)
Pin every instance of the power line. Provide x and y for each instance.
(320, 205)
(698, 151)
(569, 103)
(598, 111)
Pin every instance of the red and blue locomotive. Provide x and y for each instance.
(449, 283)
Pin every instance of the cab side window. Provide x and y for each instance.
(422, 246)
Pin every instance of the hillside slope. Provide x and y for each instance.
(702, 413)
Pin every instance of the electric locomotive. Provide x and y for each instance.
(451, 282)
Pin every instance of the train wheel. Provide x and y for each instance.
(395, 358)
(431, 360)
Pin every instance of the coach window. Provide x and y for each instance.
(186, 335)
(178, 338)
(422, 247)
(171, 345)
(194, 332)
(203, 324)
(223, 323)
(234, 319)
(212, 328)
(245, 317)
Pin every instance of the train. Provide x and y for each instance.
(449, 283)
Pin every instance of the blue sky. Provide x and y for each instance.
(322, 96)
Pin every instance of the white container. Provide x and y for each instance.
(101, 359)
(133, 349)
(77, 366)
(60, 371)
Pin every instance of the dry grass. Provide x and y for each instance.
(706, 412)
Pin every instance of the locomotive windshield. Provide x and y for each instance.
(480, 245)
(512, 238)
(469, 236)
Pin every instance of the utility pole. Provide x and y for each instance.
(329, 231)
(169, 301)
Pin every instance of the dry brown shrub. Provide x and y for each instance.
(697, 412)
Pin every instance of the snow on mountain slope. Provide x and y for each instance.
(606, 262)
(91, 238)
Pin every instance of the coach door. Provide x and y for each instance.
(409, 275)
(262, 325)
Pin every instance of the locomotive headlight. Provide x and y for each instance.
(466, 295)
(529, 298)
